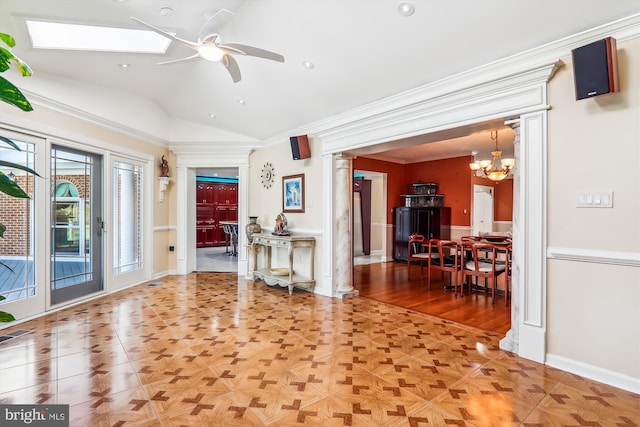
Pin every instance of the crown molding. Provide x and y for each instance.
(212, 155)
(387, 119)
(59, 107)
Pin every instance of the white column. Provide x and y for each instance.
(343, 211)
(511, 341)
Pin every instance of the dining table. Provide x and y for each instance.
(501, 243)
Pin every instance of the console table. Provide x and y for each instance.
(290, 277)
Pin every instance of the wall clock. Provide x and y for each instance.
(268, 175)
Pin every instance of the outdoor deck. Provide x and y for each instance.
(20, 282)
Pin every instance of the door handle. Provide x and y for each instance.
(100, 227)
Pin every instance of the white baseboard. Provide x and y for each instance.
(595, 373)
(160, 274)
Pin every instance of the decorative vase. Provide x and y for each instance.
(252, 228)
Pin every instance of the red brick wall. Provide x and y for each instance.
(14, 214)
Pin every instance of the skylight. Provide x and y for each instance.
(58, 35)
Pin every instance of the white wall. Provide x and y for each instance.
(266, 203)
(594, 145)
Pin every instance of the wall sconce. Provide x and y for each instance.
(164, 182)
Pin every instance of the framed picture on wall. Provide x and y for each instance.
(293, 193)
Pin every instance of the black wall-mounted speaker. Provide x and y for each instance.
(300, 147)
(595, 68)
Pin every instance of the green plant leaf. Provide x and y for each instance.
(4, 61)
(2, 297)
(6, 317)
(10, 142)
(6, 55)
(25, 70)
(7, 186)
(18, 166)
(3, 228)
(8, 40)
(12, 95)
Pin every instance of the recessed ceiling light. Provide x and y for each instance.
(124, 65)
(405, 8)
(166, 11)
(308, 65)
(241, 101)
(212, 116)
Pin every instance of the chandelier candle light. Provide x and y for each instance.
(496, 169)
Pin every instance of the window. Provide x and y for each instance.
(127, 217)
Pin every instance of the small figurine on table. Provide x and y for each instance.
(281, 226)
(164, 167)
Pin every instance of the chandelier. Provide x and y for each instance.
(496, 169)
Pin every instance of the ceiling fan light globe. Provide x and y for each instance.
(211, 52)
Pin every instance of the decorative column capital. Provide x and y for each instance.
(344, 156)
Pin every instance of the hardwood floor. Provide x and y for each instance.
(394, 283)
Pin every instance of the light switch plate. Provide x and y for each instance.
(598, 199)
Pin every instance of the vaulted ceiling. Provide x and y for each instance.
(362, 51)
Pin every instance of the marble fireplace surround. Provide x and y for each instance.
(520, 100)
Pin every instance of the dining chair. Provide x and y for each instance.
(466, 255)
(444, 255)
(417, 251)
(477, 264)
(507, 249)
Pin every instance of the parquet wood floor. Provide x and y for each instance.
(212, 350)
(395, 283)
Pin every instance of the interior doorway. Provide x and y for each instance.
(482, 209)
(370, 228)
(216, 220)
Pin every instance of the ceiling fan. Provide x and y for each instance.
(210, 48)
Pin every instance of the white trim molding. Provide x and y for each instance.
(596, 373)
(597, 256)
(161, 228)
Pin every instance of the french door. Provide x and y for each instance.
(77, 224)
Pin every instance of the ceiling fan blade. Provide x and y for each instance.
(215, 23)
(252, 51)
(232, 66)
(195, 57)
(187, 43)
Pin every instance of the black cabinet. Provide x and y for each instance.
(432, 223)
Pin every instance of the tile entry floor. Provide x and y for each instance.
(211, 350)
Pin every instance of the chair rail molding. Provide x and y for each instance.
(598, 256)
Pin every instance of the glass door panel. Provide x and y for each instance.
(20, 292)
(77, 224)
